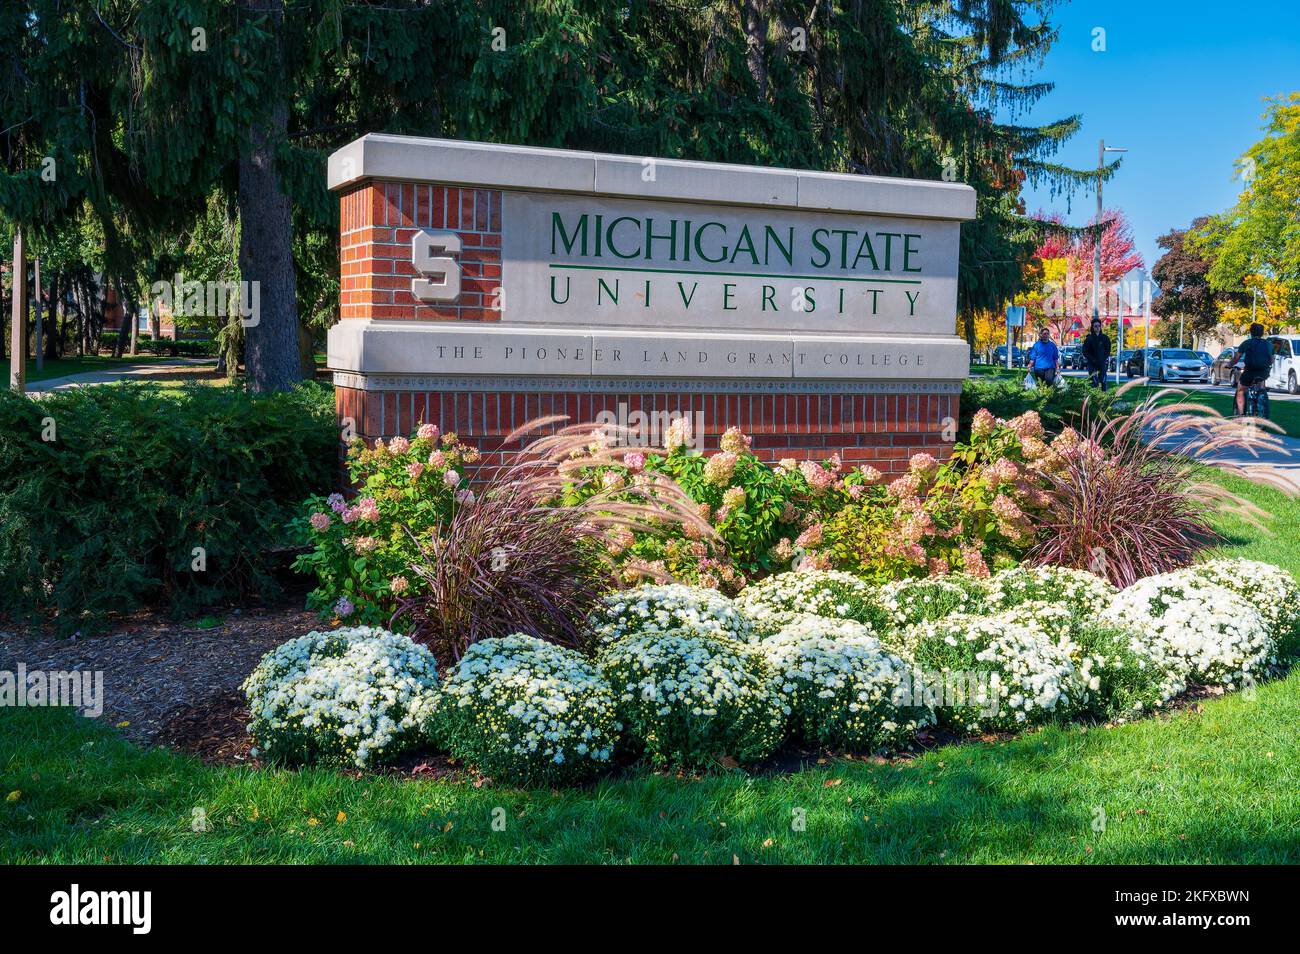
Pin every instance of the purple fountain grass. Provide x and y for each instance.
(1127, 501)
(519, 557)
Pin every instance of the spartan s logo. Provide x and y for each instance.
(443, 272)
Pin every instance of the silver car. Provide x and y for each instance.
(1177, 364)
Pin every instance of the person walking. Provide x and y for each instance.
(1096, 352)
(1044, 358)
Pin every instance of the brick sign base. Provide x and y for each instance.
(880, 429)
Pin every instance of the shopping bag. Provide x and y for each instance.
(1030, 384)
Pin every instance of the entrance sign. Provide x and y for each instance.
(474, 271)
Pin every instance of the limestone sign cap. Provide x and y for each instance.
(384, 157)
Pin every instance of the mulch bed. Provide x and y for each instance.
(170, 683)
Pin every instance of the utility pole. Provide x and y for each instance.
(18, 328)
(1102, 149)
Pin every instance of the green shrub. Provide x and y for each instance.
(523, 710)
(843, 687)
(970, 513)
(362, 549)
(1084, 592)
(774, 602)
(756, 513)
(925, 599)
(1008, 397)
(352, 696)
(113, 498)
(689, 699)
(997, 673)
(1129, 680)
(661, 607)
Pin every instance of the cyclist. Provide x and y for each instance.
(1044, 357)
(1256, 356)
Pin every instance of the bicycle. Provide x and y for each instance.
(1257, 400)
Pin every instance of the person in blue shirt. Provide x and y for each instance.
(1044, 357)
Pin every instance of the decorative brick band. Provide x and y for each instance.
(433, 382)
(882, 429)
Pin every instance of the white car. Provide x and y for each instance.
(1176, 364)
(1285, 373)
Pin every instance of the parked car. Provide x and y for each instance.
(1135, 363)
(1284, 375)
(1017, 356)
(1123, 360)
(1205, 356)
(1176, 364)
(1071, 357)
(1223, 370)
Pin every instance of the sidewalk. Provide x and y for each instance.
(1277, 463)
(179, 368)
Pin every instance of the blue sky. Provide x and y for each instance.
(1181, 84)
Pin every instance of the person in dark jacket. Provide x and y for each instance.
(1096, 352)
(1256, 357)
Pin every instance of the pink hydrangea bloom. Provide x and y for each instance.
(415, 468)
(398, 585)
(366, 508)
(923, 465)
(983, 424)
(428, 431)
(634, 461)
(735, 441)
(320, 521)
(973, 561)
(438, 460)
(451, 478)
(336, 503)
(719, 468)
(811, 537)
(1027, 425)
(399, 445)
(818, 477)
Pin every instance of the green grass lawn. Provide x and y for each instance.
(1285, 413)
(1216, 783)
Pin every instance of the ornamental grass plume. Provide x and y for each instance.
(1125, 500)
(518, 559)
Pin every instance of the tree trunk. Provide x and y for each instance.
(266, 239)
(754, 17)
(124, 326)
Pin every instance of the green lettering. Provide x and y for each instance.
(579, 232)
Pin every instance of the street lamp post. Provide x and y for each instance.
(1102, 149)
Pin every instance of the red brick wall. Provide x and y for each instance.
(377, 223)
(880, 429)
